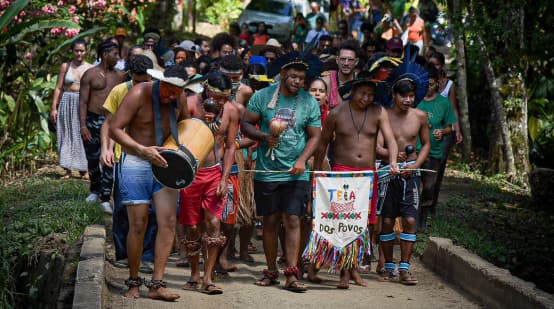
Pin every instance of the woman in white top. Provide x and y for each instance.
(65, 111)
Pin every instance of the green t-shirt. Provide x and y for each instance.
(293, 140)
(440, 114)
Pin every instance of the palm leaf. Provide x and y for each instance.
(68, 42)
(42, 25)
(12, 11)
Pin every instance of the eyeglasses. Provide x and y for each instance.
(346, 60)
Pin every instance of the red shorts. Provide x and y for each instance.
(201, 195)
(373, 204)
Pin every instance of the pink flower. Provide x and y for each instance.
(69, 33)
(75, 19)
(61, 3)
(56, 30)
(72, 9)
(4, 5)
(49, 9)
(22, 14)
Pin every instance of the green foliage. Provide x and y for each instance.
(34, 36)
(219, 12)
(492, 219)
(33, 208)
(541, 121)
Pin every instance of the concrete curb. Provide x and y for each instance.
(493, 286)
(89, 283)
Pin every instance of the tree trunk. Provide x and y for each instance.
(499, 114)
(515, 101)
(461, 76)
(190, 16)
(177, 23)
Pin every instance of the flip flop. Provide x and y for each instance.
(211, 289)
(406, 278)
(296, 287)
(341, 286)
(191, 285)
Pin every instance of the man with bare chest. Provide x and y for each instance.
(203, 200)
(141, 136)
(402, 196)
(232, 66)
(352, 128)
(96, 84)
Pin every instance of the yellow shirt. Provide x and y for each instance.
(112, 103)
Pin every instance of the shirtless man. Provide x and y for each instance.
(402, 197)
(347, 61)
(96, 84)
(203, 200)
(133, 126)
(352, 128)
(233, 67)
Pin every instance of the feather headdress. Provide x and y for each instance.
(408, 70)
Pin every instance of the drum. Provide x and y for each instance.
(198, 140)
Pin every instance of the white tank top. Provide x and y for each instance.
(446, 89)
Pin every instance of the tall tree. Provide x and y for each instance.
(455, 11)
(498, 28)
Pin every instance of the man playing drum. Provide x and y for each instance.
(289, 120)
(402, 196)
(204, 199)
(134, 126)
(353, 128)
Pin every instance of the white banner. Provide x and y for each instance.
(341, 205)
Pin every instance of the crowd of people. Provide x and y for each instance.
(352, 100)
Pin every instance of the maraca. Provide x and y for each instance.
(276, 126)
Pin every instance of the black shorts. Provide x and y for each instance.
(402, 198)
(290, 197)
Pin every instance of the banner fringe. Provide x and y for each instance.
(327, 256)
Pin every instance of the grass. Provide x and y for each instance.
(497, 221)
(32, 208)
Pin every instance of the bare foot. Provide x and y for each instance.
(162, 294)
(344, 279)
(225, 265)
(133, 292)
(312, 274)
(355, 275)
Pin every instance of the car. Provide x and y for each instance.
(278, 15)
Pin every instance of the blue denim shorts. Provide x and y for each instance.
(136, 182)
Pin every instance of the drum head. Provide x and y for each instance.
(180, 171)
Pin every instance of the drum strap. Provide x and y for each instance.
(172, 121)
(157, 114)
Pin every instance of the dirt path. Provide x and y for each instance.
(240, 292)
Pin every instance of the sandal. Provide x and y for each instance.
(191, 285)
(385, 275)
(295, 286)
(269, 278)
(252, 248)
(406, 278)
(364, 269)
(211, 289)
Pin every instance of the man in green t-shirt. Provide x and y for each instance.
(441, 117)
(282, 187)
